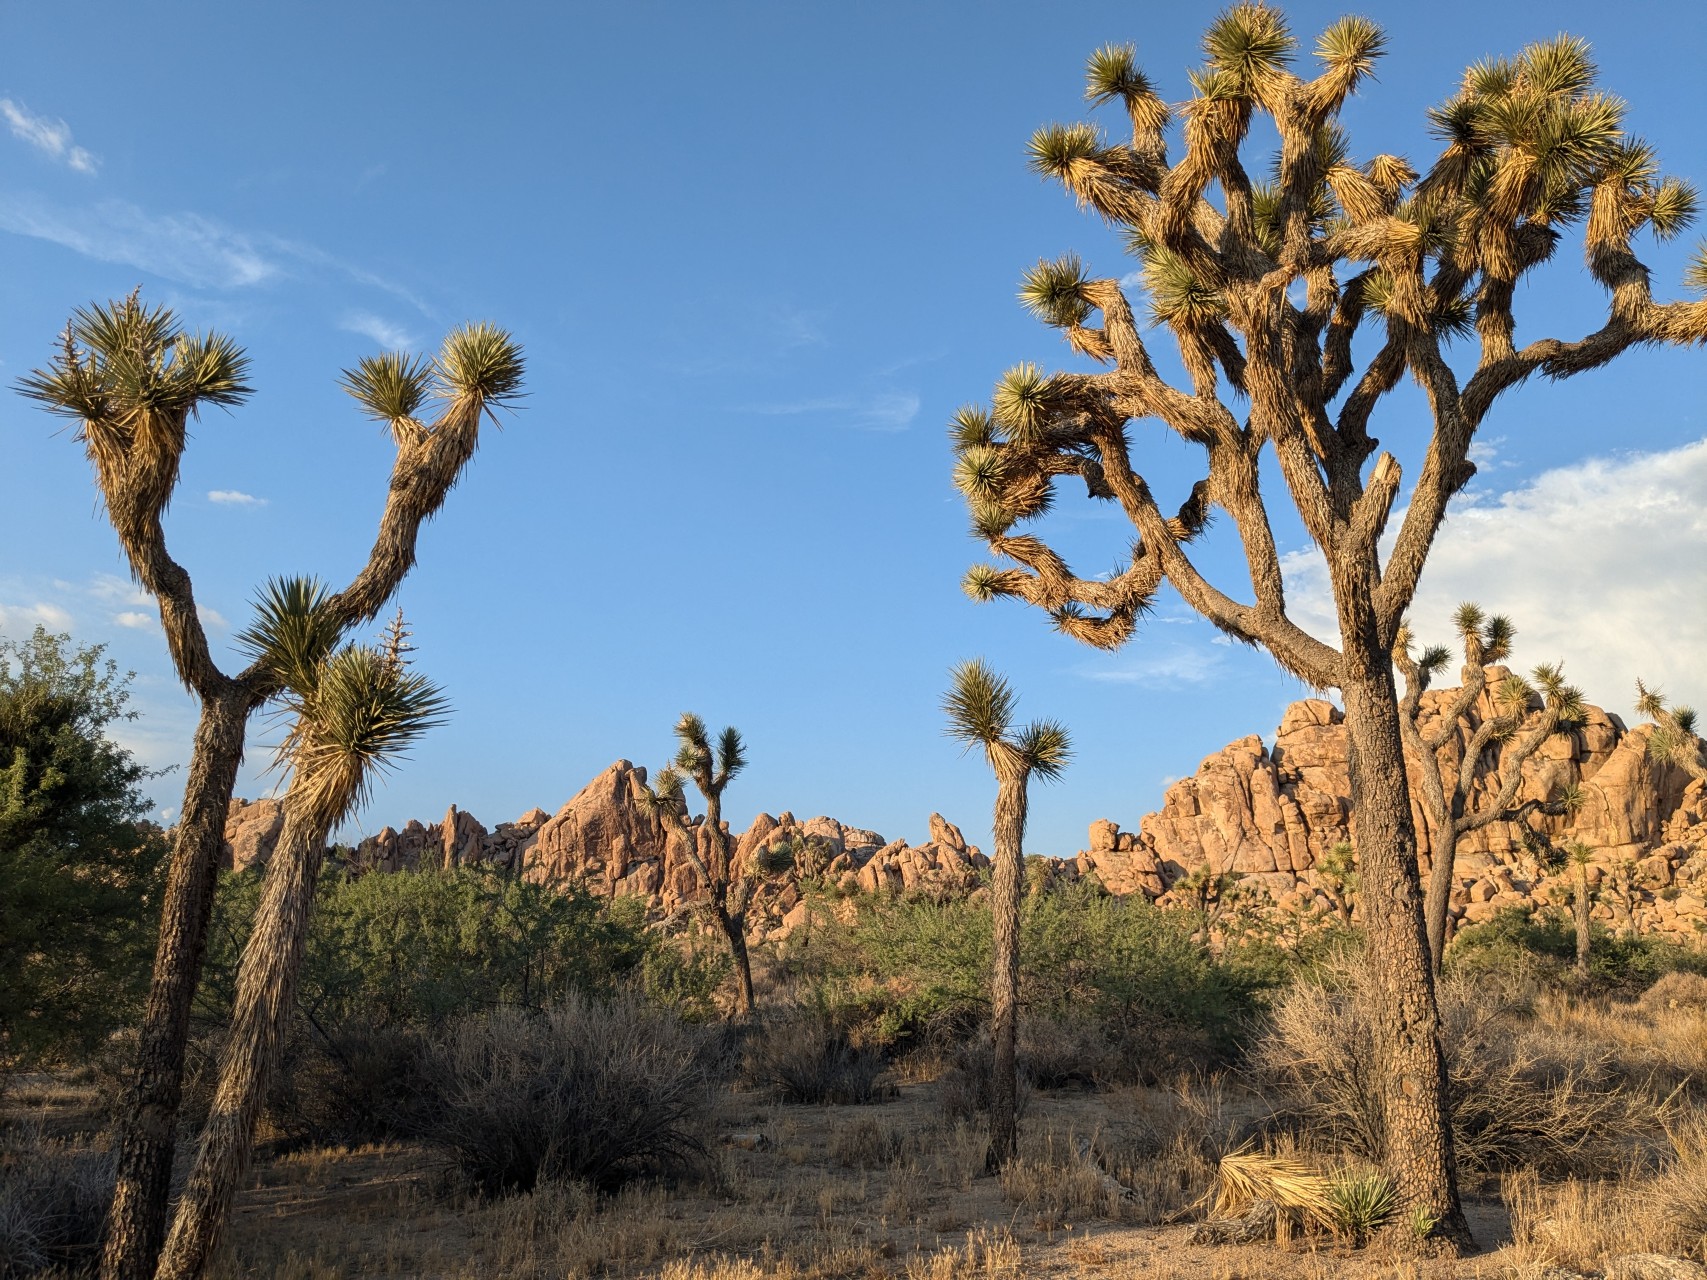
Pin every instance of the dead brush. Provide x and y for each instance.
(986, 1255)
(1300, 1193)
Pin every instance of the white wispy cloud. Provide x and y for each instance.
(1161, 665)
(17, 620)
(391, 336)
(884, 411)
(180, 246)
(1598, 564)
(211, 617)
(51, 137)
(234, 498)
(108, 588)
(135, 619)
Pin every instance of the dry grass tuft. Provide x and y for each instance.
(985, 1256)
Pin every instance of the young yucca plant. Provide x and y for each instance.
(1363, 1200)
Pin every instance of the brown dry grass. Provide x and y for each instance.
(896, 1192)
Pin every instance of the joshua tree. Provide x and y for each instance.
(1446, 800)
(980, 709)
(354, 710)
(1338, 872)
(1674, 739)
(1263, 284)
(1582, 900)
(728, 892)
(132, 380)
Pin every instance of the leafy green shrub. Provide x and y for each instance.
(420, 947)
(1541, 946)
(590, 1091)
(912, 971)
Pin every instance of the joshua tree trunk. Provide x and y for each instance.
(1415, 1103)
(1008, 879)
(734, 926)
(266, 994)
(1581, 904)
(1438, 901)
(136, 1224)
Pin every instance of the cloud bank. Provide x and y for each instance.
(1599, 564)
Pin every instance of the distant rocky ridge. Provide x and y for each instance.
(1264, 814)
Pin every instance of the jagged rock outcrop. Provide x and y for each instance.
(1268, 815)
(1265, 815)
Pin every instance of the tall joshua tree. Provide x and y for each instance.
(729, 890)
(1674, 739)
(1446, 799)
(980, 709)
(132, 380)
(354, 709)
(1263, 288)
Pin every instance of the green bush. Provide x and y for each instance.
(1520, 942)
(420, 947)
(912, 970)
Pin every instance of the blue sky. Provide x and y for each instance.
(757, 254)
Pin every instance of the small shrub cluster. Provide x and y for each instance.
(1125, 989)
(589, 1091)
(1518, 1099)
(811, 1060)
(53, 1203)
(1522, 945)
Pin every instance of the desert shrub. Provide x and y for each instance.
(912, 972)
(964, 1082)
(421, 947)
(684, 974)
(1541, 946)
(810, 1059)
(53, 1201)
(588, 1090)
(865, 1144)
(1514, 1102)
(1675, 990)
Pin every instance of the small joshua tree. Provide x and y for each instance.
(1446, 799)
(132, 380)
(354, 710)
(980, 709)
(1338, 874)
(1582, 899)
(729, 891)
(1674, 739)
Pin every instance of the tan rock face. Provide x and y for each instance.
(251, 831)
(1266, 814)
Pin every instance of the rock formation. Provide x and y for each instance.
(1265, 815)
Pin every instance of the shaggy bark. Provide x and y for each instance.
(266, 995)
(1006, 885)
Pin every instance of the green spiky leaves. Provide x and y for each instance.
(1046, 746)
(1021, 402)
(981, 583)
(126, 359)
(1695, 273)
(1249, 42)
(1055, 149)
(390, 387)
(979, 472)
(1177, 295)
(1352, 46)
(970, 426)
(482, 362)
(979, 704)
(1673, 206)
(1112, 72)
(1053, 291)
(293, 632)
